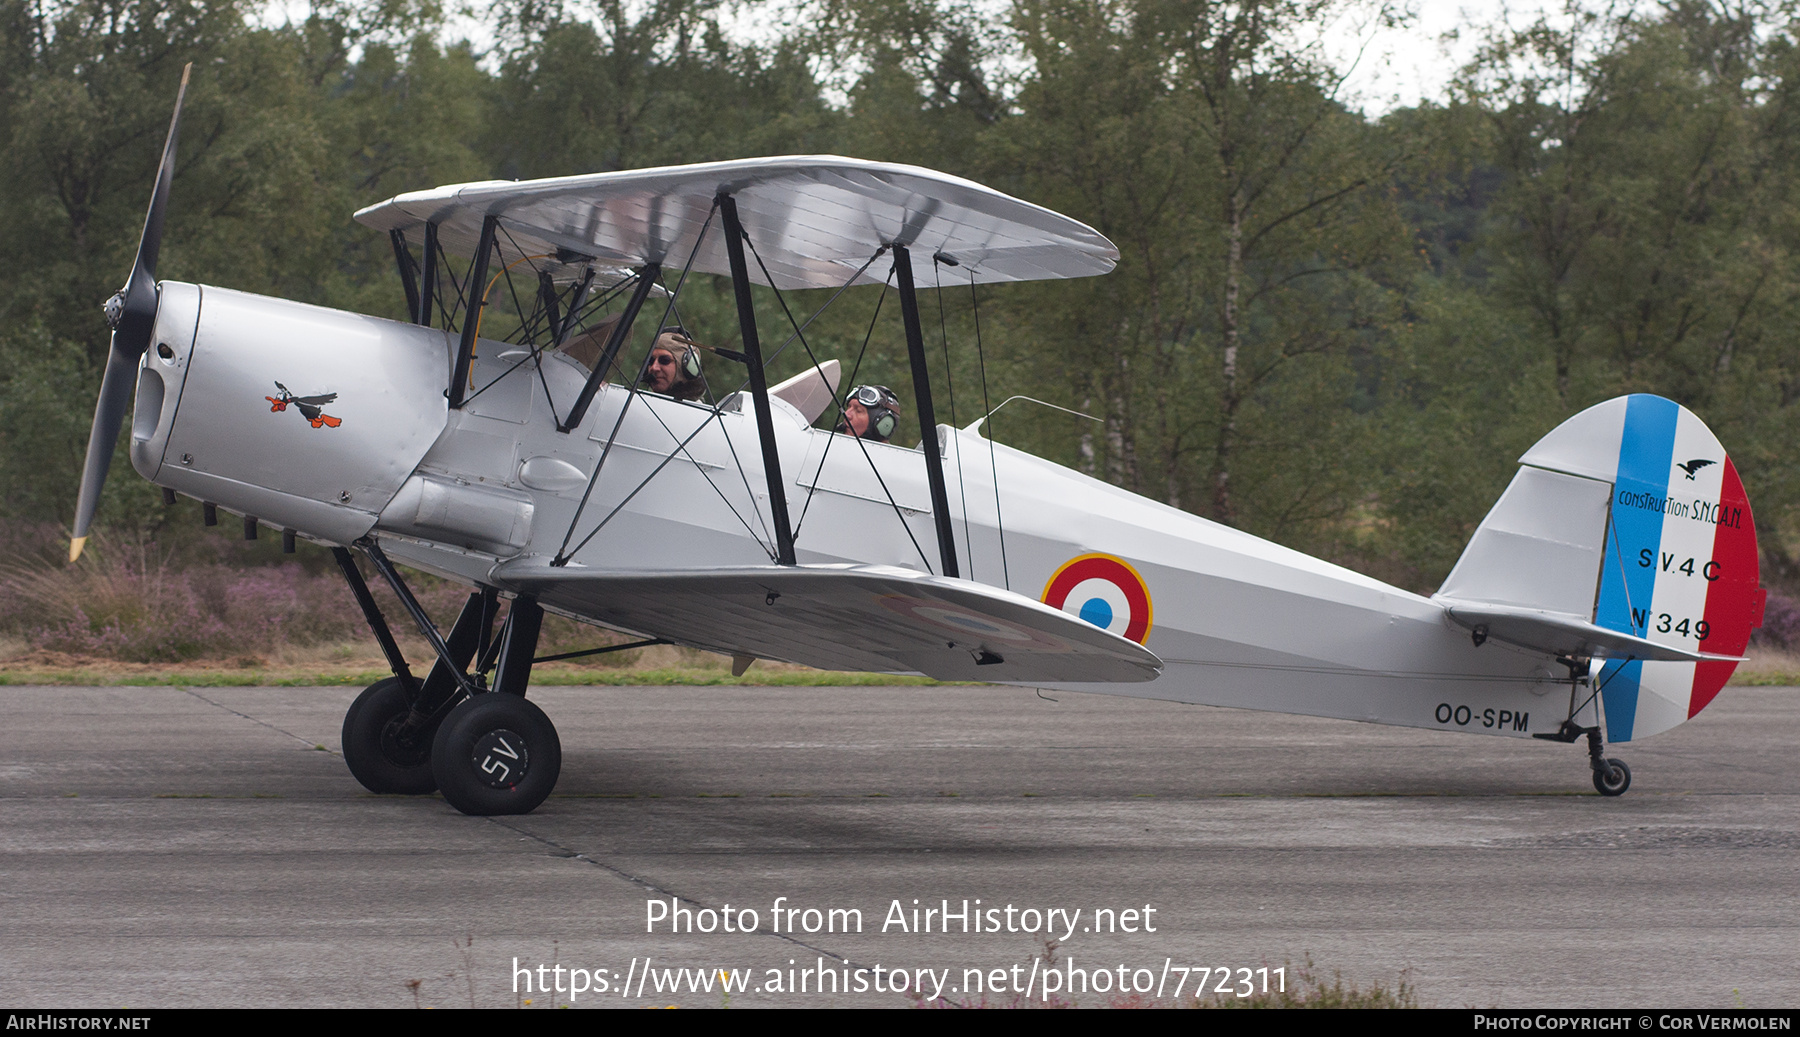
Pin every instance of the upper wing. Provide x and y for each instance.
(845, 617)
(814, 220)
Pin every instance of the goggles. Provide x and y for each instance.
(686, 357)
(883, 407)
(875, 396)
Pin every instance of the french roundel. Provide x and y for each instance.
(1104, 591)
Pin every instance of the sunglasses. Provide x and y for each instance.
(658, 361)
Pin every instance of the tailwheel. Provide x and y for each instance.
(1612, 777)
(382, 751)
(496, 754)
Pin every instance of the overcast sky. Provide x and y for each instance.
(1389, 67)
(1396, 68)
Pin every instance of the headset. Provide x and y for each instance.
(882, 405)
(688, 359)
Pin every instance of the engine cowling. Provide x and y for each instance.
(305, 417)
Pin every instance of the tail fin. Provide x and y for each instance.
(1628, 518)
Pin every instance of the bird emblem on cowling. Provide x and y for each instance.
(310, 407)
(1690, 467)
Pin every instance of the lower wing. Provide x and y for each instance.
(845, 617)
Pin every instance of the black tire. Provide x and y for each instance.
(496, 754)
(1613, 779)
(376, 757)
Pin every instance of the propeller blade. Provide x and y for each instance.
(131, 313)
(109, 413)
(140, 287)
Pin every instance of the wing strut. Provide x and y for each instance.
(759, 382)
(408, 273)
(428, 276)
(928, 431)
(648, 278)
(472, 306)
(561, 331)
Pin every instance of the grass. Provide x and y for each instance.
(134, 615)
(203, 613)
(22, 665)
(356, 663)
(76, 671)
(1768, 667)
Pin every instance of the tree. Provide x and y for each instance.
(1257, 236)
(624, 87)
(284, 135)
(1645, 237)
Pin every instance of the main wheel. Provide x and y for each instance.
(1613, 779)
(377, 754)
(496, 754)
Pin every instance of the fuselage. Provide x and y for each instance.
(1237, 620)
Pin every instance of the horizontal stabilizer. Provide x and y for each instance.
(845, 617)
(1558, 633)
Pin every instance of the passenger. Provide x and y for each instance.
(673, 367)
(871, 412)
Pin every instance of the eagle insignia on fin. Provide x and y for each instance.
(1690, 467)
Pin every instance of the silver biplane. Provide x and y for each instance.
(1608, 594)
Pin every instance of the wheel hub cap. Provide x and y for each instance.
(501, 758)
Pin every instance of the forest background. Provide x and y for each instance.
(1334, 328)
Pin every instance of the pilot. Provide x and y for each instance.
(871, 412)
(673, 367)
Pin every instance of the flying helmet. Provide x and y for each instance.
(883, 407)
(687, 358)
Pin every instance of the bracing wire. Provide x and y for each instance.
(524, 331)
(446, 314)
(851, 280)
(838, 402)
(679, 449)
(768, 537)
(562, 555)
(962, 492)
(825, 455)
(986, 407)
(565, 551)
(835, 398)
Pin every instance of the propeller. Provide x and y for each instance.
(131, 313)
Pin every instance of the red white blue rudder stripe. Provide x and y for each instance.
(1679, 566)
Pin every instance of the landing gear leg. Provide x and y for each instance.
(1611, 776)
(498, 753)
(388, 730)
